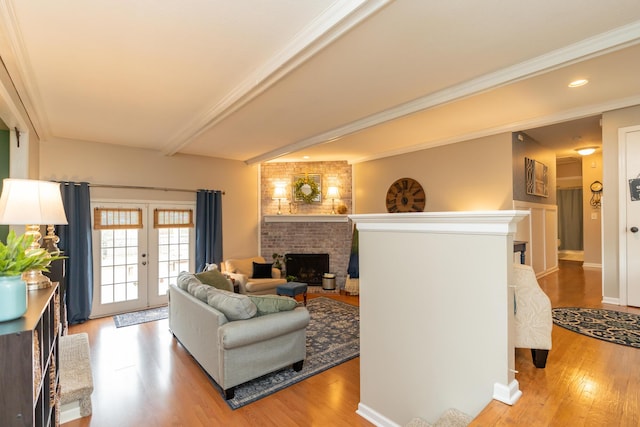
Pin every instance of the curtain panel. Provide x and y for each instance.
(76, 244)
(570, 223)
(208, 228)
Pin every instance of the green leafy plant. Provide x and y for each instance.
(16, 257)
(306, 189)
(291, 278)
(278, 260)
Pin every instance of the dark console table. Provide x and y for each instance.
(520, 246)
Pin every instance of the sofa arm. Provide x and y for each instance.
(240, 280)
(257, 329)
(276, 273)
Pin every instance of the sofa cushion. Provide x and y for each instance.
(185, 279)
(233, 306)
(242, 266)
(261, 270)
(267, 304)
(200, 291)
(215, 279)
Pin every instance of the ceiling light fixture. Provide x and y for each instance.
(578, 83)
(586, 150)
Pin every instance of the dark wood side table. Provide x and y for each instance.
(520, 246)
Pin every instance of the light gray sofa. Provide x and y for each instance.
(234, 352)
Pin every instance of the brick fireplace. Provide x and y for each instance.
(308, 268)
(332, 238)
(307, 228)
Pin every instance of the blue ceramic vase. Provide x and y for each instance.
(13, 297)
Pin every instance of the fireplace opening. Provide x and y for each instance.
(307, 268)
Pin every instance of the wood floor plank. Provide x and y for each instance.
(587, 382)
(143, 377)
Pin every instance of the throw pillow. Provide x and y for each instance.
(215, 279)
(267, 304)
(200, 292)
(261, 271)
(185, 279)
(233, 306)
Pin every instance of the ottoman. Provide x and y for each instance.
(291, 289)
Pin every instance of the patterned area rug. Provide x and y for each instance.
(333, 337)
(608, 325)
(143, 316)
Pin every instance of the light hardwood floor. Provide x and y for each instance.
(587, 382)
(143, 377)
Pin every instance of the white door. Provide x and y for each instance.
(630, 239)
(134, 257)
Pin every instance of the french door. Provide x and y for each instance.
(138, 249)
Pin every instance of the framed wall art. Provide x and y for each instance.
(307, 188)
(537, 179)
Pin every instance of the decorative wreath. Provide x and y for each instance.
(306, 189)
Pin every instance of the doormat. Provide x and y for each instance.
(142, 316)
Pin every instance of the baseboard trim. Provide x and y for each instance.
(508, 394)
(70, 411)
(613, 301)
(592, 266)
(374, 417)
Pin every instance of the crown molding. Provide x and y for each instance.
(585, 49)
(331, 25)
(572, 114)
(20, 71)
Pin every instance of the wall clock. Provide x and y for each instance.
(405, 195)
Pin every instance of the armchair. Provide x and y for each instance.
(533, 321)
(242, 271)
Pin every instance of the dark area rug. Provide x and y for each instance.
(333, 337)
(608, 325)
(143, 316)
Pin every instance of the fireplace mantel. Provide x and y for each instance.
(306, 218)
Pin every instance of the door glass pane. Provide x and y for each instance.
(175, 258)
(119, 265)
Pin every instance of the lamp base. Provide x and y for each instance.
(36, 280)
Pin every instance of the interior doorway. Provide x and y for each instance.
(569, 197)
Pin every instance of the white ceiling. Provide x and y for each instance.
(256, 80)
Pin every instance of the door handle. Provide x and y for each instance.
(634, 229)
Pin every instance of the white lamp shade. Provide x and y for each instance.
(279, 193)
(333, 193)
(28, 201)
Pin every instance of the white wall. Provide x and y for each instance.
(540, 231)
(436, 314)
(116, 165)
(611, 122)
(469, 175)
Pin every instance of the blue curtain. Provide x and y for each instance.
(570, 226)
(75, 242)
(208, 228)
(353, 269)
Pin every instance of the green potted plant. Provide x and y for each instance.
(278, 260)
(16, 257)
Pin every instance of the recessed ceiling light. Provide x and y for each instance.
(586, 150)
(305, 157)
(578, 83)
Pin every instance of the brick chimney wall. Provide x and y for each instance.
(333, 238)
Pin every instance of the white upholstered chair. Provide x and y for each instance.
(533, 320)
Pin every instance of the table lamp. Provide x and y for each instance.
(31, 203)
(279, 194)
(333, 194)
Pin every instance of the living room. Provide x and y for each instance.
(469, 168)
